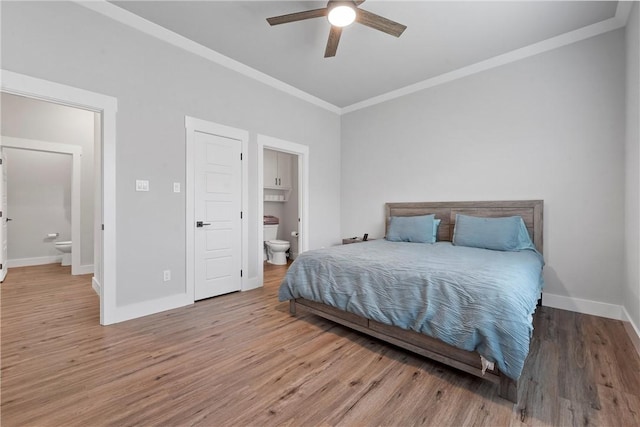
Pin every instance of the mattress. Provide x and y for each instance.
(474, 299)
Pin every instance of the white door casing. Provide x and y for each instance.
(302, 153)
(106, 106)
(198, 129)
(3, 217)
(218, 235)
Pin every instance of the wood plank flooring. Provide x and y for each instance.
(242, 360)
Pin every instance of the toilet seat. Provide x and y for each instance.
(278, 242)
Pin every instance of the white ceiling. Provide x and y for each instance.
(441, 37)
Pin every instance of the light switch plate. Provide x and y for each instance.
(142, 185)
(176, 187)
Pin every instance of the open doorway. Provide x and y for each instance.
(283, 188)
(53, 217)
(103, 225)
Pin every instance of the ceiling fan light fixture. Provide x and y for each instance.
(342, 15)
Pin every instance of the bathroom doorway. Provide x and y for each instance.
(282, 194)
(104, 225)
(50, 183)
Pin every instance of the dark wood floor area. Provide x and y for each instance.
(241, 359)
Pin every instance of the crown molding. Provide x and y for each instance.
(619, 21)
(134, 21)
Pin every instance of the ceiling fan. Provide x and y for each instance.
(340, 14)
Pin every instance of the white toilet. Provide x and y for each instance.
(276, 250)
(65, 248)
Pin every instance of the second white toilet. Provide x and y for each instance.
(65, 248)
(276, 250)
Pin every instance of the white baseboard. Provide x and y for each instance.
(83, 269)
(96, 286)
(632, 329)
(596, 308)
(584, 306)
(26, 262)
(145, 308)
(251, 283)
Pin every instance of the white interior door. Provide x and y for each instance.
(218, 205)
(3, 217)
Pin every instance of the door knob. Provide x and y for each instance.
(202, 224)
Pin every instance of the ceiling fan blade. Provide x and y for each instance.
(332, 42)
(379, 23)
(298, 16)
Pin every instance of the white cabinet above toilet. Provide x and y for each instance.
(277, 169)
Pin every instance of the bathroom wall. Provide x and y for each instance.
(44, 121)
(38, 202)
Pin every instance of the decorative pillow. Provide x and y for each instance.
(436, 224)
(417, 229)
(500, 234)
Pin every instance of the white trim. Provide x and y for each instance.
(193, 125)
(95, 284)
(632, 329)
(23, 85)
(134, 21)
(84, 269)
(506, 58)
(27, 262)
(76, 180)
(302, 151)
(145, 308)
(253, 283)
(594, 308)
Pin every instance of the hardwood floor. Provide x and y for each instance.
(241, 359)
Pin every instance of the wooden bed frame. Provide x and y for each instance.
(529, 210)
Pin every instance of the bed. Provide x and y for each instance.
(477, 319)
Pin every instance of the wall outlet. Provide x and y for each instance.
(176, 187)
(167, 275)
(142, 185)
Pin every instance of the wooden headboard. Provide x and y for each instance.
(529, 210)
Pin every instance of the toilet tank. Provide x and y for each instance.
(270, 232)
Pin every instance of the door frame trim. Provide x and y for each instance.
(76, 172)
(302, 152)
(106, 106)
(193, 125)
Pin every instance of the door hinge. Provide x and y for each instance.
(102, 227)
(240, 270)
(240, 214)
(0, 161)
(0, 214)
(240, 156)
(1, 268)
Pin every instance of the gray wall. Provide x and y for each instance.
(38, 202)
(156, 85)
(547, 127)
(632, 166)
(44, 121)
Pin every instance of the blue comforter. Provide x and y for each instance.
(474, 299)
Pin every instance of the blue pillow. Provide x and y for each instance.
(500, 234)
(436, 224)
(417, 229)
